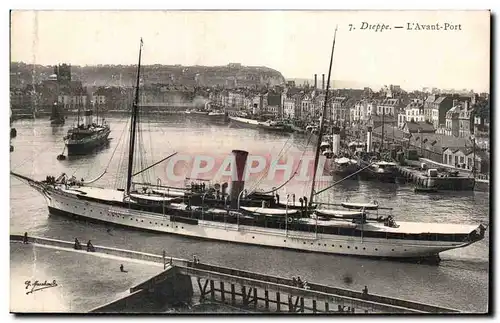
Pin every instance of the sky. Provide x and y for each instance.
(296, 43)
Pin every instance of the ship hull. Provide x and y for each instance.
(344, 171)
(244, 122)
(385, 177)
(82, 147)
(68, 205)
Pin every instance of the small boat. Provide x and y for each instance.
(272, 125)
(169, 192)
(421, 189)
(295, 205)
(340, 213)
(269, 211)
(366, 206)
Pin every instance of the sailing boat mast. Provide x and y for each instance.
(133, 125)
(321, 123)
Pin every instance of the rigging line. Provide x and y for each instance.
(257, 182)
(348, 176)
(145, 169)
(294, 173)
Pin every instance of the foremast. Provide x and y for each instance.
(321, 124)
(133, 125)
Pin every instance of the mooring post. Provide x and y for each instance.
(233, 295)
(255, 297)
(164, 261)
(244, 295)
(278, 302)
(314, 305)
(266, 298)
(222, 292)
(212, 289)
(327, 307)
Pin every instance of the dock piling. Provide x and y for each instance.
(222, 292)
(233, 295)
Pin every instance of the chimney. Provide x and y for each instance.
(323, 82)
(369, 139)
(336, 141)
(238, 184)
(315, 81)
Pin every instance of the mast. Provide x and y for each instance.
(323, 115)
(133, 124)
(383, 123)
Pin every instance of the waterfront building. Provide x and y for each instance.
(289, 108)
(414, 112)
(438, 110)
(340, 109)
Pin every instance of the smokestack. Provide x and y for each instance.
(336, 141)
(315, 81)
(369, 139)
(323, 82)
(88, 117)
(238, 184)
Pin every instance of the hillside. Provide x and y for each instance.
(114, 75)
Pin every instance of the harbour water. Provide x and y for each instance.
(460, 281)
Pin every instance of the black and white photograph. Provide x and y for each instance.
(250, 162)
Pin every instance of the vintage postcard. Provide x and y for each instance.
(250, 162)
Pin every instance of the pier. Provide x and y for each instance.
(258, 292)
(439, 180)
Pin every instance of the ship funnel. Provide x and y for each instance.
(88, 117)
(369, 139)
(238, 183)
(315, 81)
(336, 141)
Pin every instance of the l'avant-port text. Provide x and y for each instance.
(437, 26)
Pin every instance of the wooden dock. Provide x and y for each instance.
(248, 290)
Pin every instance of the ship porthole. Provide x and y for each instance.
(253, 237)
(348, 247)
(392, 249)
(333, 245)
(376, 249)
(364, 248)
(182, 227)
(356, 248)
(405, 249)
(284, 240)
(340, 246)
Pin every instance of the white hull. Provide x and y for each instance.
(68, 204)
